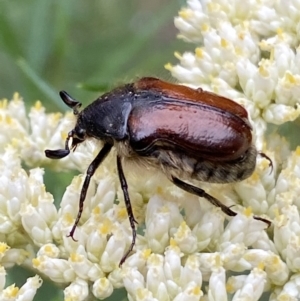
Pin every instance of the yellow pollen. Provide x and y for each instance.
(16, 96)
(8, 120)
(279, 31)
(263, 71)
(238, 51)
(105, 227)
(276, 212)
(218, 261)
(68, 218)
(141, 293)
(265, 164)
(76, 257)
(241, 35)
(229, 288)
(36, 262)
(196, 291)
(173, 242)
(224, 43)
(204, 27)
(210, 6)
(254, 177)
(48, 249)
(38, 105)
(199, 52)
(11, 291)
(178, 55)
(261, 266)
(103, 281)
(275, 261)
(122, 213)
(159, 190)
(182, 231)
(3, 247)
(56, 116)
(146, 253)
(186, 13)
(3, 103)
(168, 66)
(290, 78)
(96, 210)
(64, 135)
(297, 151)
(155, 260)
(164, 209)
(248, 211)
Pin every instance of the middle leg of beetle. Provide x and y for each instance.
(132, 221)
(200, 192)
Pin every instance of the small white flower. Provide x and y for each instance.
(58, 270)
(217, 284)
(252, 287)
(28, 290)
(161, 217)
(25, 293)
(290, 290)
(102, 288)
(77, 291)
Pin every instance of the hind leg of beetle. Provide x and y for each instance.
(200, 192)
(132, 221)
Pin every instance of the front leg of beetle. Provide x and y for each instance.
(200, 192)
(90, 171)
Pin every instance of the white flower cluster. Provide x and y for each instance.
(247, 51)
(185, 250)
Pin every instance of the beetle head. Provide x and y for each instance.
(78, 134)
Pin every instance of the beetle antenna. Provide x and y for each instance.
(70, 101)
(60, 153)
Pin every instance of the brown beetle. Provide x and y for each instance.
(186, 133)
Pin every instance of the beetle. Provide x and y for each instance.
(186, 133)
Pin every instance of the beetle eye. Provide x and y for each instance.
(79, 134)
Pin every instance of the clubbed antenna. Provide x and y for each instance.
(70, 102)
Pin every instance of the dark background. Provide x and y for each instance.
(84, 47)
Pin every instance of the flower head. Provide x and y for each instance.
(186, 249)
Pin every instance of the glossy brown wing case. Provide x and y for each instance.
(200, 123)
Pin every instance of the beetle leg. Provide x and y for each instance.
(267, 158)
(200, 192)
(89, 173)
(132, 221)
